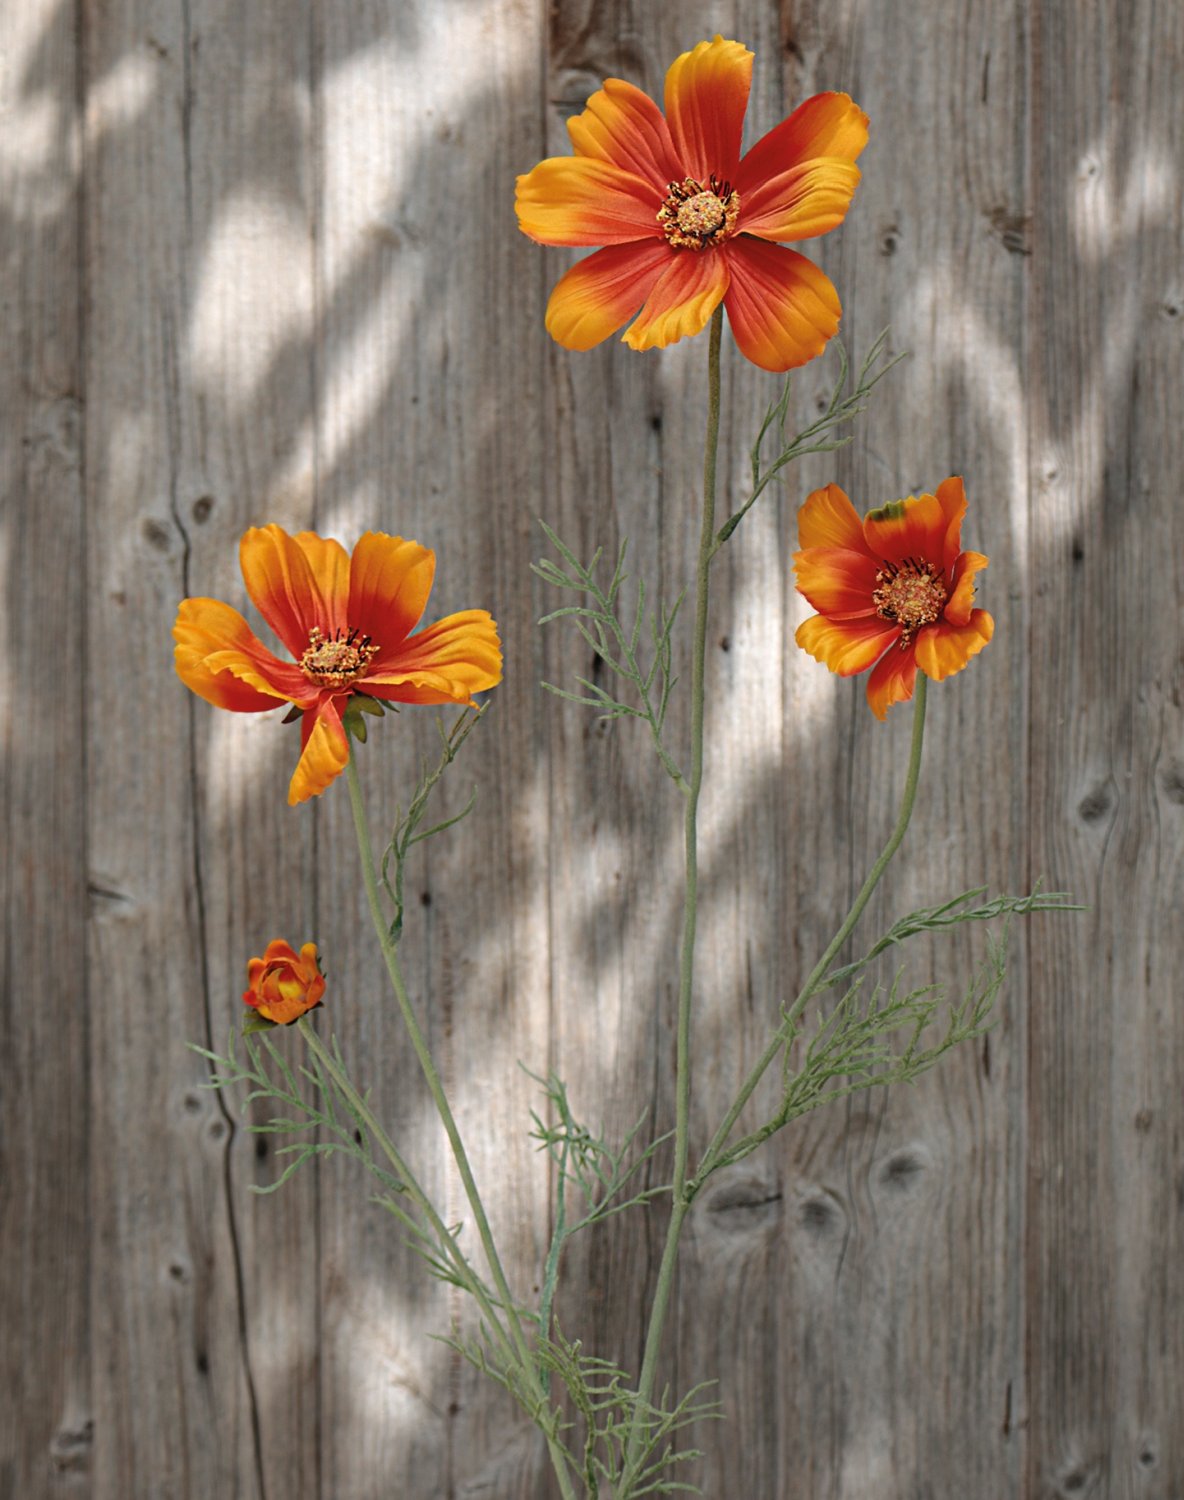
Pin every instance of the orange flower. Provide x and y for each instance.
(687, 222)
(348, 622)
(283, 985)
(895, 589)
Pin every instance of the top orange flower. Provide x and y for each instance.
(895, 589)
(348, 622)
(687, 221)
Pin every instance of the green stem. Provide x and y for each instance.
(436, 1088)
(694, 782)
(714, 1152)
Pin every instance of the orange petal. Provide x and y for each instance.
(576, 200)
(826, 126)
(914, 527)
(706, 96)
(847, 647)
(603, 291)
(951, 496)
(681, 301)
(329, 562)
(282, 585)
(220, 658)
(892, 680)
(325, 753)
(782, 309)
(389, 583)
(623, 126)
(800, 203)
(957, 610)
(838, 583)
(828, 519)
(446, 663)
(945, 649)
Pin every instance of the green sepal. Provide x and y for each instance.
(294, 713)
(890, 512)
(367, 705)
(255, 1022)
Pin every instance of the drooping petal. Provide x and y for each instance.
(603, 291)
(446, 663)
(324, 755)
(389, 583)
(682, 300)
(329, 562)
(219, 657)
(951, 496)
(892, 679)
(914, 528)
(623, 126)
(782, 309)
(836, 581)
(706, 96)
(282, 585)
(800, 203)
(944, 649)
(847, 647)
(957, 610)
(828, 519)
(827, 126)
(577, 200)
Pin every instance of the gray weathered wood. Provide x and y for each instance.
(261, 264)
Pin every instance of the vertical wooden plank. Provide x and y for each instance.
(46, 1426)
(1107, 1120)
(198, 376)
(431, 389)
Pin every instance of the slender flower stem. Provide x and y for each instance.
(436, 1088)
(681, 1201)
(715, 1151)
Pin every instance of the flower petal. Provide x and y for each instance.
(830, 126)
(893, 680)
(282, 585)
(623, 126)
(681, 301)
(706, 96)
(951, 496)
(603, 291)
(800, 203)
(325, 753)
(576, 200)
(782, 309)
(914, 527)
(847, 647)
(837, 582)
(446, 663)
(828, 519)
(389, 583)
(957, 610)
(329, 562)
(220, 658)
(945, 649)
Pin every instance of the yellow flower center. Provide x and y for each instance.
(337, 662)
(911, 595)
(694, 216)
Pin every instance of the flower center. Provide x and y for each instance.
(911, 595)
(337, 662)
(694, 216)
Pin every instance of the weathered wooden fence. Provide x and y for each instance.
(259, 262)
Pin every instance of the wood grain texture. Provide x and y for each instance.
(261, 264)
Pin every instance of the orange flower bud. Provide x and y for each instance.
(283, 985)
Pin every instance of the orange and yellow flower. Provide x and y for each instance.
(894, 589)
(284, 985)
(687, 222)
(348, 621)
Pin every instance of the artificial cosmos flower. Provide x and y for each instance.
(348, 621)
(687, 222)
(894, 589)
(284, 985)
